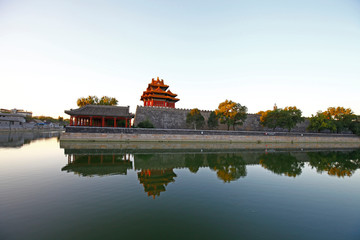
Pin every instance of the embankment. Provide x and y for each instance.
(126, 135)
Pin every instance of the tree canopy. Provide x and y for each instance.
(195, 118)
(212, 121)
(104, 100)
(335, 119)
(231, 113)
(283, 118)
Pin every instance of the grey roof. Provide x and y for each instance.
(101, 110)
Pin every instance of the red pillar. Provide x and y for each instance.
(71, 120)
(103, 122)
(91, 121)
(76, 121)
(115, 125)
(130, 123)
(126, 122)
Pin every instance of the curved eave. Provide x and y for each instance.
(163, 97)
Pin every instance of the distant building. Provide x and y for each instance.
(100, 116)
(10, 121)
(17, 111)
(156, 95)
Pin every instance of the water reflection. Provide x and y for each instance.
(338, 164)
(155, 181)
(229, 167)
(282, 164)
(156, 170)
(100, 165)
(18, 139)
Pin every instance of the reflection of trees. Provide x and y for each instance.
(281, 163)
(194, 162)
(228, 167)
(338, 164)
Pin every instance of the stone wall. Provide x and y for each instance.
(205, 136)
(175, 118)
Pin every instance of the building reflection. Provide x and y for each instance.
(18, 139)
(98, 164)
(155, 170)
(155, 181)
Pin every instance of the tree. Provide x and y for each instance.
(213, 121)
(343, 117)
(321, 122)
(355, 126)
(291, 117)
(105, 100)
(195, 118)
(284, 118)
(231, 113)
(145, 124)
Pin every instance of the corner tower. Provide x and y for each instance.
(157, 95)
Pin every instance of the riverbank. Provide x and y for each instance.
(92, 134)
(35, 129)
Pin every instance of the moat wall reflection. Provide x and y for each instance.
(155, 170)
(10, 139)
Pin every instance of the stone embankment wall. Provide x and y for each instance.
(178, 135)
(175, 118)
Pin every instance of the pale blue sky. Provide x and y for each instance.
(259, 52)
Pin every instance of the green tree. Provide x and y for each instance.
(231, 113)
(343, 117)
(291, 117)
(284, 118)
(195, 118)
(355, 126)
(321, 122)
(145, 124)
(213, 121)
(105, 100)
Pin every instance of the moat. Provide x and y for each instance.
(90, 191)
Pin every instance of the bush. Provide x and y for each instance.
(145, 124)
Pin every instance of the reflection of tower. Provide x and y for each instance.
(154, 181)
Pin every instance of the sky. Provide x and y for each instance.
(257, 53)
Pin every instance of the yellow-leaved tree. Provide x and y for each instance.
(231, 113)
(105, 100)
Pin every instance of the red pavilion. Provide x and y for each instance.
(156, 95)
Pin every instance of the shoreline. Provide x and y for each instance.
(209, 138)
(31, 130)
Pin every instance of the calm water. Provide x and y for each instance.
(47, 192)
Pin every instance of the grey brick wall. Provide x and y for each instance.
(175, 118)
